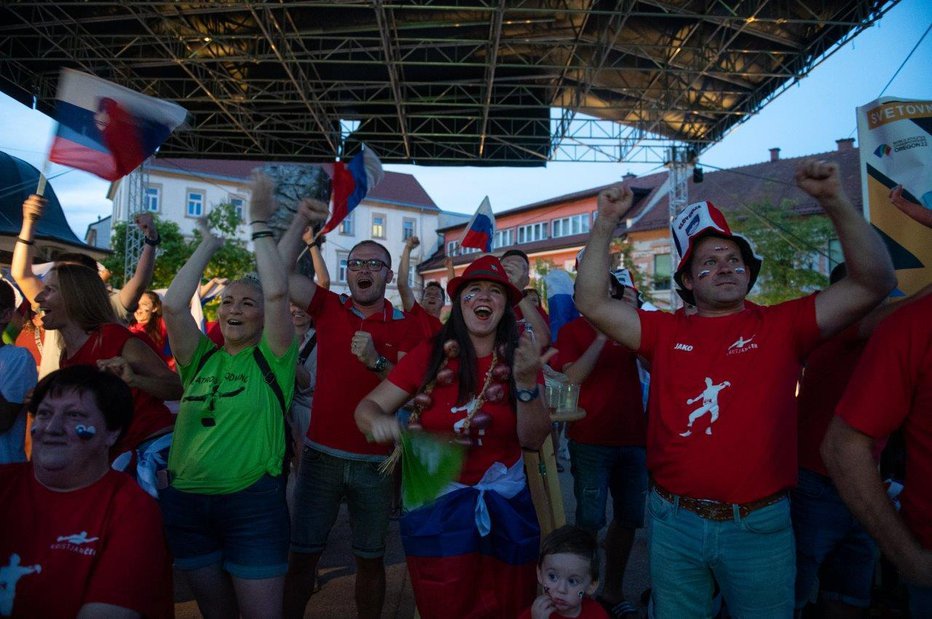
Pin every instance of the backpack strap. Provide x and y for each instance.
(269, 378)
(200, 364)
(308, 349)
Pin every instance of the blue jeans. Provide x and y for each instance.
(752, 558)
(323, 482)
(598, 469)
(246, 531)
(833, 551)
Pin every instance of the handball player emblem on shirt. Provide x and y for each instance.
(709, 397)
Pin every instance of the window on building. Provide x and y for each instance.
(195, 206)
(662, 272)
(532, 232)
(412, 276)
(378, 226)
(453, 248)
(503, 238)
(238, 205)
(342, 257)
(568, 226)
(408, 228)
(347, 226)
(153, 199)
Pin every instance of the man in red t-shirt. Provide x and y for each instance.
(607, 445)
(360, 339)
(722, 423)
(891, 387)
(426, 314)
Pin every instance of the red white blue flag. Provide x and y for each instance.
(481, 228)
(351, 183)
(106, 129)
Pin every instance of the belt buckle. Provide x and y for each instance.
(712, 510)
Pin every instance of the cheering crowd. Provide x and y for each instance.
(750, 504)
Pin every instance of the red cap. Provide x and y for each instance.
(487, 269)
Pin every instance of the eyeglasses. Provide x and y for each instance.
(372, 264)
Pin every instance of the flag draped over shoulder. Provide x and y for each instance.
(106, 129)
(481, 228)
(351, 183)
(560, 300)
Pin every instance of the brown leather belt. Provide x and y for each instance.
(715, 510)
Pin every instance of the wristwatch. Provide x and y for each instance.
(153, 242)
(380, 364)
(527, 395)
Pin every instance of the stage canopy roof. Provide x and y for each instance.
(467, 82)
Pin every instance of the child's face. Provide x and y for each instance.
(565, 579)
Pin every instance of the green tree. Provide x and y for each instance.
(622, 255)
(790, 245)
(232, 261)
(170, 256)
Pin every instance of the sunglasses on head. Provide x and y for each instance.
(372, 264)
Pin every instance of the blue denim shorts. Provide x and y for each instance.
(246, 532)
(833, 551)
(322, 483)
(598, 469)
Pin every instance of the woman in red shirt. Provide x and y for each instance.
(75, 302)
(474, 548)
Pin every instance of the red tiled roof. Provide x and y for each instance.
(396, 188)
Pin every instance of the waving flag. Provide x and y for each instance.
(351, 182)
(106, 129)
(560, 300)
(481, 228)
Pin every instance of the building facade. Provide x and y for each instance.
(182, 190)
(552, 232)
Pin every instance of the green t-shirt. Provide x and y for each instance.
(244, 436)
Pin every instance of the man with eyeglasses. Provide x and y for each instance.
(360, 338)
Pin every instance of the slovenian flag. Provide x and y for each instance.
(107, 129)
(560, 300)
(351, 183)
(481, 228)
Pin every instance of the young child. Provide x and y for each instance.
(568, 571)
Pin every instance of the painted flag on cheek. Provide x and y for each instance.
(106, 129)
(481, 229)
(351, 183)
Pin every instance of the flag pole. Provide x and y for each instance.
(40, 189)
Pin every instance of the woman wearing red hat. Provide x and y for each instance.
(474, 549)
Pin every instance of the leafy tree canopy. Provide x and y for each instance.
(790, 245)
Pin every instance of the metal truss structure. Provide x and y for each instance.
(453, 82)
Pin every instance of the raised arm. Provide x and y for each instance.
(24, 251)
(182, 328)
(579, 370)
(520, 279)
(870, 273)
(278, 330)
(615, 318)
(142, 277)
(301, 289)
(404, 265)
(321, 273)
(533, 425)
